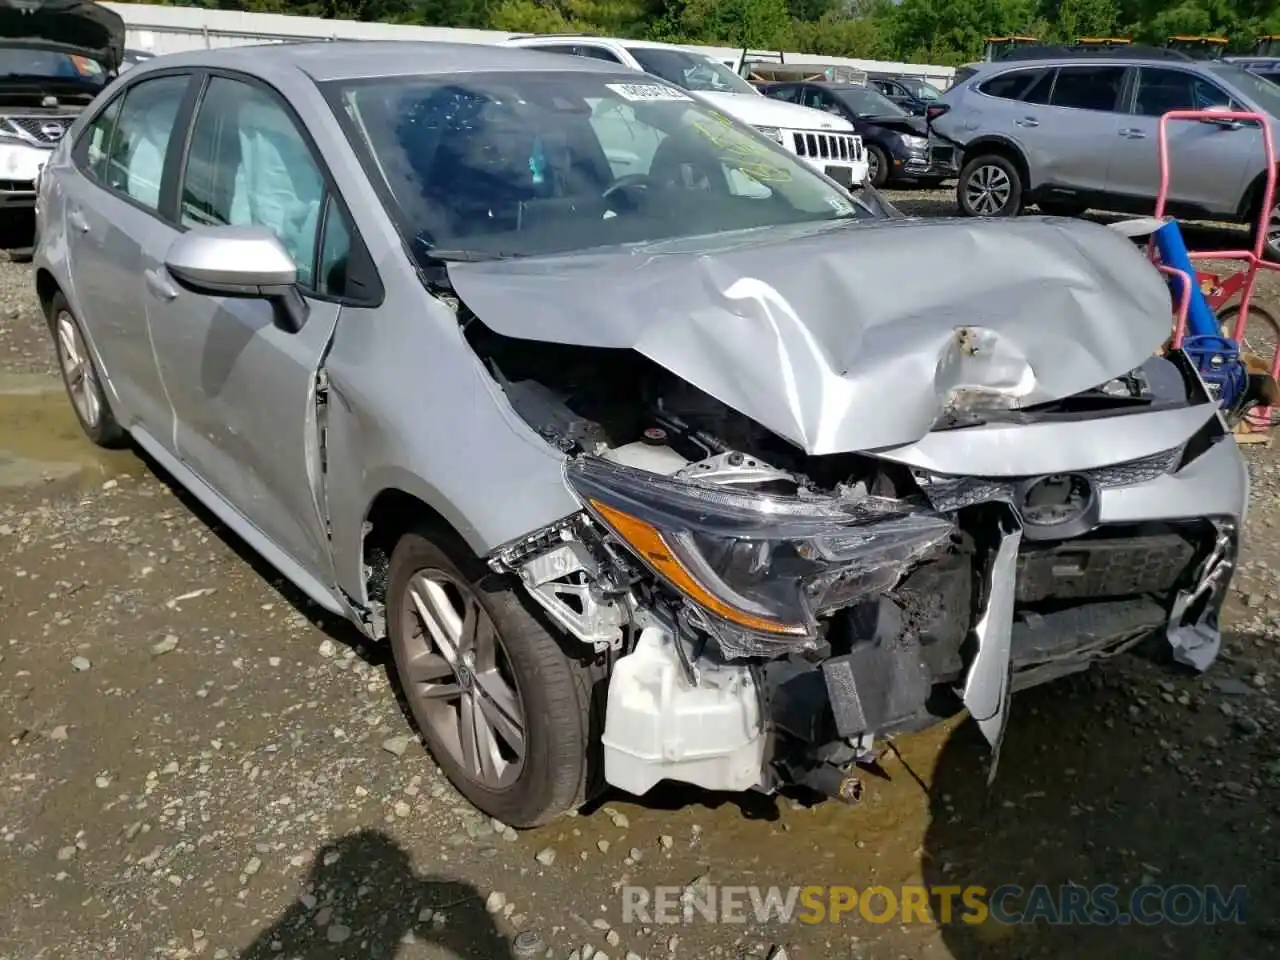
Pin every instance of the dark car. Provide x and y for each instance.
(912, 94)
(897, 144)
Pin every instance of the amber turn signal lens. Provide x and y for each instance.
(647, 541)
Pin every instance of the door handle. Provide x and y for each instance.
(77, 221)
(1133, 133)
(1027, 122)
(159, 286)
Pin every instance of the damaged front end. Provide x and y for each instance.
(816, 513)
(765, 625)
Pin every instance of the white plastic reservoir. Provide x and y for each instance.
(658, 726)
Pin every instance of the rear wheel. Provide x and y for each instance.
(504, 710)
(80, 377)
(1271, 240)
(990, 186)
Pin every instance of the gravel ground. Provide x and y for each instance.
(197, 763)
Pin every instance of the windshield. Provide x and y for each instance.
(692, 71)
(866, 102)
(522, 164)
(23, 63)
(922, 89)
(1263, 92)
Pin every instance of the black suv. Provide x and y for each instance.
(912, 94)
(897, 144)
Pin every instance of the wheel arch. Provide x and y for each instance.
(1000, 146)
(47, 287)
(393, 511)
(1249, 208)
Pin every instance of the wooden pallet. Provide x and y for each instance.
(1248, 433)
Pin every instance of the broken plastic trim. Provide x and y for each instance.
(757, 568)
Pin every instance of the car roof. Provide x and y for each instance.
(596, 38)
(362, 59)
(1084, 61)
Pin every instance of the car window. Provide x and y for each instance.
(1161, 90)
(137, 146)
(924, 90)
(791, 94)
(1012, 85)
(594, 53)
(818, 100)
(692, 71)
(865, 102)
(538, 162)
(98, 140)
(1041, 88)
(629, 144)
(249, 165)
(1261, 92)
(1088, 88)
(26, 63)
(335, 251)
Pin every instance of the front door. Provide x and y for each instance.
(1208, 163)
(243, 390)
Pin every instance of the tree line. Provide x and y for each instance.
(917, 31)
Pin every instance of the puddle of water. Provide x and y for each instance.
(41, 440)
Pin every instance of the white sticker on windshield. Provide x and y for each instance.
(839, 206)
(647, 91)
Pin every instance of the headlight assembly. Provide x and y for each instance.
(758, 569)
(773, 133)
(913, 142)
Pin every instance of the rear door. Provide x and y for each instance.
(111, 210)
(1075, 131)
(1208, 163)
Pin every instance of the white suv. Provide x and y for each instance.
(823, 141)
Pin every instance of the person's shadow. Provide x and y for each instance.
(364, 899)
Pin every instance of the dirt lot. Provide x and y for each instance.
(195, 763)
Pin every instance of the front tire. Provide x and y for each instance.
(81, 378)
(878, 162)
(503, 709)
(990, 186)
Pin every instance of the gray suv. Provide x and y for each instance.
(1073, 133)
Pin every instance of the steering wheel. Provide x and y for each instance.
(627, 183)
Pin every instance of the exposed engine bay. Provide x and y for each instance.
(905, 602)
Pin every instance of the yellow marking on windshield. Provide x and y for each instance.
(738, 150)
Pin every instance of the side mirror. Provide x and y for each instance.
(247, 262)
(1226, 123)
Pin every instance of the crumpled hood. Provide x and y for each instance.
(79, 25)
(767, 112)
(850, 336)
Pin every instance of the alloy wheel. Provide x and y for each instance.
(988, 190)
(873, 166)
(458, 679)
(77, 370)
(1273, 233)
